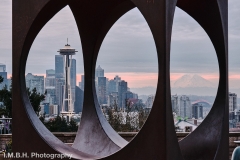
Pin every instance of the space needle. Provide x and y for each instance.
(67, 104)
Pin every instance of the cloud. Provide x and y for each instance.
(6, 34)
(129, 45)
(234, 36)
(50, 39)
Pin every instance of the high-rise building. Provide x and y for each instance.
(185, 107)
(113, 99)
(50, 87)
(112, 86)
(50, 78)
(2, 67)
(126, 96)
(175, 107)
(59, 89)
(49, 82)
(60, 75)
(135, 95)
(59, 66)
(50, 95)
(117, 78)
(149, 101)
(122, 89)
(46, 108)
(206, 106)
(59, 72)
(53, 109)
(81, 84)
(73, 74)
(3, 74)
(99, 72)
(37, 82)
(232, 102)
(107, 85)
(50, 73)
(197, 111)
(101, 90)
(9, 83)
(100, 84)
(234, 114)
(78, 105)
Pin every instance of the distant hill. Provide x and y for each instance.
(192, 81)
(199, 91)
(144, 90)
(143, 98)
(187, 85)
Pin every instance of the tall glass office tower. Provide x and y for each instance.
(3, 74)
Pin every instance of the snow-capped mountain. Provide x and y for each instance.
(192, 81)
(185, 85)
(193, 85)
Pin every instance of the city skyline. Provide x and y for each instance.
(132, 54)
(188, 84)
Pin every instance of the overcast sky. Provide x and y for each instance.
(128, 49)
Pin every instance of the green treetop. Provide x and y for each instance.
(6, 98)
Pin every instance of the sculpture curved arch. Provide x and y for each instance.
(214, 126)
(46, 141)
(95, 138)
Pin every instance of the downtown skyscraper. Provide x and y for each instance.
(59, 78)
(99, 72)
(50, 87)
(122, 89)
(185, 109)
(3, 74)
(101, 90)
(73, 79)
(59, 66)
(101, 85)
(34, 81)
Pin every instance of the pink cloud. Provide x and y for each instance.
(210, 76)
(234, 76)
(136, 80)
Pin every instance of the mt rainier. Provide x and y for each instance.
(192, 81)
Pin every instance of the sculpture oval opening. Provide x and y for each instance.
(52, 73)
(194, 73)
(126, 73)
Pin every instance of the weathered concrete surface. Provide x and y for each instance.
(68, 137)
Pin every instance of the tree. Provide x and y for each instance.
(72, 126)
(129, 120)
(59, 124)
(35, 99)
(115, 119)
(143, 115)
(1, 79)
(6, 98)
